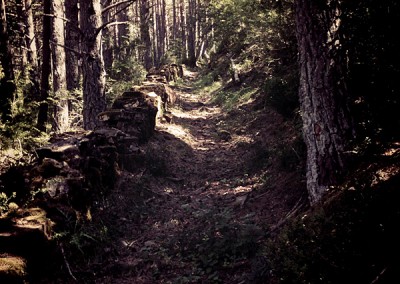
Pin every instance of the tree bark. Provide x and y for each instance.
(72, 41)
(94, 100)
(145, 33)
(183, 30)
(174, 21)
(30, 35)
(30, 43)
(191, 37)
(164, 24)
(21, 16)
(155, 32)
(7, 82)
(327, 125)
(109, 37)
(122, 35)
(61, 111)
(46, 67)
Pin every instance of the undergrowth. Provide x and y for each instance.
(352, 238)
(208, 83)
(216, 243)
(230, 98)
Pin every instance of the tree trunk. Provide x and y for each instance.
(61, 112)
(72, 43)
(323, 99)
(30, 35)
(110, 39)
(155, 33)
(174, 21)
(164, 24)
(46, 67)
(159, 32)
(94, 100)
(183, 30)
(7, 82)
(122, 35)
(145, 33)
(30, 38)
(21, 16)
(191, 37)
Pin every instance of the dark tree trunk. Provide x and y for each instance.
(46, 67)
(122, 35)
(109, 36)
(323, 98)
(21, 16)
(94, 100)
(174, 21)
(191, 37)
(155, 31)
(183, 30)
(164, 23)
(72, 43)
(7, 84)
(159, 30)
(145, 33)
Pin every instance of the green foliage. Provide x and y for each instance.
(282, 94)
(1, 72)
(85, 240)
(373, 66)
(5, 201)
(128, 70)
(21, 132)
(218, 241)
(156, 160)
(259, 157)
(88, 238)
(238, 17)
(123, 75)
(291, 156)
(263, 44)
(204, 81)
(351, 239)
(228, 99)
(168, 58)
(259, 31)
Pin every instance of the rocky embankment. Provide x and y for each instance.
(70, 178)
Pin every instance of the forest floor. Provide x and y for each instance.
(214, 188)
(209, 195)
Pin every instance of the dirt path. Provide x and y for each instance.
(194, 215)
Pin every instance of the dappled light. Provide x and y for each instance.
(199, 141)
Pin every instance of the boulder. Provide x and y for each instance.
(133, 113)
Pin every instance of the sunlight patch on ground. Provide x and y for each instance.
(392, 151)
(176, 130)
(385, 174)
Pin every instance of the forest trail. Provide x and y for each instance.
(198, 211)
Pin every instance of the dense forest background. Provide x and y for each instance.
(330, 69)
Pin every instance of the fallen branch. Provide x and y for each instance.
(299, 204)
(379, 275)
(67, 264)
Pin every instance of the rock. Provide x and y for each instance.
(224, 135)
(132, 113)
(165, 93)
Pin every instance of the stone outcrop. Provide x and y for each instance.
(166, 73)
(160, 94)
(134, 113)
(73, 175)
